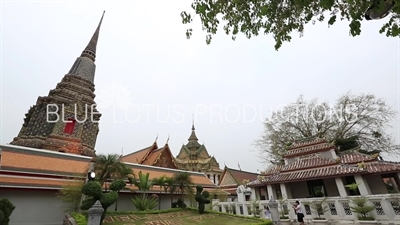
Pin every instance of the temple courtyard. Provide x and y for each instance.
(184, 217)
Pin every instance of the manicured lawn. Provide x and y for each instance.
(184, 217)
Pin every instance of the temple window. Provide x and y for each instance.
(69, 126)
(316, 188)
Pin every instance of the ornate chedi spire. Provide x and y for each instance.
(90, 50)
(193, 137)
(84, 65)
(67, 119)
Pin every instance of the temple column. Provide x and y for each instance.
(285, 191)
(253, 195)
(340, 187)
(362, 185)
(271, 192)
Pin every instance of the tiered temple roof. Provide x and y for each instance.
(152, 156)
(319, 159)
(194, 156)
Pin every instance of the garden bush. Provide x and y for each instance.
(6, 209)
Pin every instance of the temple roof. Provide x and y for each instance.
(139, 156)
(28, 160)
(309, 148)
(237, 175)
(308, 161)
(311, 162)
(23, 167)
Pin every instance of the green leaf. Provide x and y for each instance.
(332, 20)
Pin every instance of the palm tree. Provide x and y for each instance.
(110, 167)
(184, 182)
(170, 186)
(161, 181)
(144, 184)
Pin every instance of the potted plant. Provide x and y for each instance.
(283, 212)
(255, 208)
(320, 209)
(362, 208)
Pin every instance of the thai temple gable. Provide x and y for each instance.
(161, 157)
(73, 97)
(183, 153)
(140, 155)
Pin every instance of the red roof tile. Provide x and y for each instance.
(337, 170)
(307, 143)
(312, 162)
(383, 166)
(356, 157)
(309, 149)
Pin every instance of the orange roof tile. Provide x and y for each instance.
(139, 156)
(19, 181)
(23, 159)
(153, 156)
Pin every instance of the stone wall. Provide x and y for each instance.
(69, 220)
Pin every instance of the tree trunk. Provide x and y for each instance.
(159, 201)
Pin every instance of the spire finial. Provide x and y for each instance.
(192, 121)
(156, 138)
(90, 50)
(167, 139)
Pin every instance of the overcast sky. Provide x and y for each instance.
(143, 57)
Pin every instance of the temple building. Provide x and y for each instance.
(194, 157)
(67, 119)
(231, 179)
(152, 156)
(315, 171)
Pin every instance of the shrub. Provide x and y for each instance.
(94, 190)
(202, 198)
(6, 209)
(362, 208)
(144, 203)
(80, 219)
(283, 211)
(319, 208)
(180, 203)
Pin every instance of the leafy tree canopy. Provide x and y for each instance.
(354, 120)
(283, 17)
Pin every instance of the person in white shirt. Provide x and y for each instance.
(267, 212)
(299, 212)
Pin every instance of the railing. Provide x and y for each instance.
(387, 208)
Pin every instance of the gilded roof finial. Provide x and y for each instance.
(90, 50)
